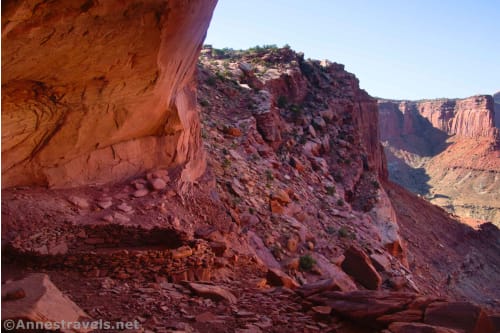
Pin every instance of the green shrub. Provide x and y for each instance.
(330, 190)
(282, 102)
(211, 81)
(340, 202)
(296, 110)
(330, 230)
(306, 262)
(346, 233)
(220, 76)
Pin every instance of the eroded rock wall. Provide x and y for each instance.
(471, 117)
(95, 92)
(496, 98)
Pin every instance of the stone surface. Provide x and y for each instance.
(158, 184)
(214, 292)
(309, 289)
(140, 193)
(363, 305)
(411, 315)
(97, 92)
(276, 277)
(340, 279)
(460, 315)
(380, 262)
(358, 265)
(42, 302)
(182, 252)
(281, 196)
(400, 327)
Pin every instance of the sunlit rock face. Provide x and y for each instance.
(447, 150)
(97, 91)
(471, 117)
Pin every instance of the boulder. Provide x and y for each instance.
(365, 305)
(320, 286)
(410, 315)
(342, 281)
(41, 302)
(213, 292)
(275, 277)
(418, 328)
(463, 316)
(358, 265)
(281, 196)
(381, 262)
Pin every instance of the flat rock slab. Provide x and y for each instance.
(41, 302)
(399, 327)
(213, 292)
(363, 304)
(463, 316)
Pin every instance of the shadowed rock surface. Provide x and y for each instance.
(95, 92)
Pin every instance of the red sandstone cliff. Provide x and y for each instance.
(470, 117)
(496, 98)
(447, 150)
(94, 92)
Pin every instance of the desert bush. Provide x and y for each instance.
(306, 262)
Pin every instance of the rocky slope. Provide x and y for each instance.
(447, 150)
(290, 228)
(293, 226)
(95, 92)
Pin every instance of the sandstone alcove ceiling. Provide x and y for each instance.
(98, 91)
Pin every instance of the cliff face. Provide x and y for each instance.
(95, 92)
(304, 127)
(496, 98)
(471, 117)
(447, 150)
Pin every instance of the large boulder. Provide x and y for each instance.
(358, 265)
(399, 327)
(463, 316)
(35, 298)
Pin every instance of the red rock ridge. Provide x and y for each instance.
(471, 117)
(95, 92)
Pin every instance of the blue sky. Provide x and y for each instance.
(407, 49)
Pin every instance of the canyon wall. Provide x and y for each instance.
(94, 92)
(470, 117)
(446, 150)
(496, 98)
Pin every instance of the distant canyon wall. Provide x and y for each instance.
(471, 117)
(95, 92)
(447, 150)
(496, 98)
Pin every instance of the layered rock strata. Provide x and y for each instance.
(447, 150)
(95, 92)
